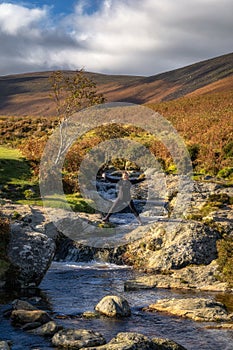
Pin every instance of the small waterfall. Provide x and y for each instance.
(68, 250)
(150, 210)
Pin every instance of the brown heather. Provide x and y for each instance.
(205, 122)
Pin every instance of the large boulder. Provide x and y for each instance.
(173, 245)
(77, 338)
(22, 317)
(137, 341)
(113, 306)
(29, 254)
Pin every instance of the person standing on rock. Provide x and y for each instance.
(123, 199)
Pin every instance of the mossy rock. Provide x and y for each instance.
(225, 259)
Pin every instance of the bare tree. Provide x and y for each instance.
(71, 93)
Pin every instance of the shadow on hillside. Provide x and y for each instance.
(20, 85)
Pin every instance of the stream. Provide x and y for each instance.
(71, 288)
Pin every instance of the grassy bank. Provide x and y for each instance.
(15, 174)
(13, 167)
(18, 184)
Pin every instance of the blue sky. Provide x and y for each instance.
(112, 36)
(59, 7)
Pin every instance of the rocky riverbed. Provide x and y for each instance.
(176, 252)
(38, 322)
(172, 251)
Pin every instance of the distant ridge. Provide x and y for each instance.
(28, 94)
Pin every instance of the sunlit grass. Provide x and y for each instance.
(72, 202)
(14, 169)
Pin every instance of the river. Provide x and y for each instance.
(71, 288)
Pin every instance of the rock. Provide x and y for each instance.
(137, 341)
(77, 338)
(51, 231)
(70, 250)
(128, 341)
(221, 326)
(167, 344)
(197, 309)
(190, 277)
(91, 314)
(21, 317)
(30, 254)
(47, 330)
(30, 326)
(113, 306)
(22, 305)
(4, 345)
(173, 246)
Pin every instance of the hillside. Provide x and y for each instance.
(28, 94)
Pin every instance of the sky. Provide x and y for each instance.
(133, 37)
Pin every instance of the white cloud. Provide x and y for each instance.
(14, 19)
(122, 36)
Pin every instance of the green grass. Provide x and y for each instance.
(75, 201)
(14, 169)
(78, 204)
(16, 181)
(15, 175)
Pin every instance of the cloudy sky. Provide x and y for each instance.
(139, 37)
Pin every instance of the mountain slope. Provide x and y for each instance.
(177, 83)
(28, 94)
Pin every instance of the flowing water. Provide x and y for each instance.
(70, 288)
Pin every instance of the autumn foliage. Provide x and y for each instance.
(204, 122)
